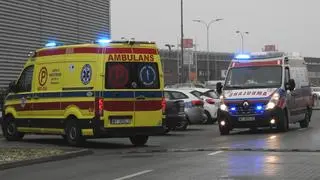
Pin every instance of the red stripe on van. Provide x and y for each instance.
(43, 106)
(119, 105)
(87, 50)
(51, 52)
(148, 105)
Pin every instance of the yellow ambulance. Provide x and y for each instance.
(100, 90)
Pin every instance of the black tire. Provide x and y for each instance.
(182, 125)
(73, 133)
(224, 131)
(209, 118)
(10, 130)
(305, 122)
(139, 140)
(283, 125)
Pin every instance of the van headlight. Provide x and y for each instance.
(273, 101)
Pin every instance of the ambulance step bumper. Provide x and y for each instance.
(128, 132)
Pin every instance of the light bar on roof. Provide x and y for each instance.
(243, 56)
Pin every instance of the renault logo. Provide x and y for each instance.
(245, 104)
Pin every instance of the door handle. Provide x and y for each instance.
(28, 97)
(140, 97)
(35, 97)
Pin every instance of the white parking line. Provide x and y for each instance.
(133, 175)
(214, 153)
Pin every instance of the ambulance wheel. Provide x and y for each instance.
(10, 130)
(305, 122)
(283, 125)
(73, 133)
(139, 140)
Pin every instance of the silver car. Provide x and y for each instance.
(193, 106)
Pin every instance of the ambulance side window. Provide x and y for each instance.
(287, 75)
(25, 81)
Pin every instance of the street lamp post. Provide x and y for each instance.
(242, 39)
(169, 47)
(208, 25)
(181, 44)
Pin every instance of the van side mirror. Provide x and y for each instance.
(219, 88)
(291, 85)
(13, 87)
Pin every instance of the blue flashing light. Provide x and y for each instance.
(259, 107)
(104, 41)
(233, 109)
(243, 56)
(51, 44)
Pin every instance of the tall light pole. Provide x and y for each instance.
(181, 45)
(169, 47)
(242, 39)
(208, 25)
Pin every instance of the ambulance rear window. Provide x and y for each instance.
(120, 75)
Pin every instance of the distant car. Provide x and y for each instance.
(211, 102)
(174, 114)
(316, 95)
(193, 106)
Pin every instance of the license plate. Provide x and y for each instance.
(120, 121)
(247, 118)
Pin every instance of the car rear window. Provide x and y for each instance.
(132, 75)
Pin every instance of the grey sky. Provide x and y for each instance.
(293, 25)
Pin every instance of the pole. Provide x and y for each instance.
(196, 57)
(208, 49)
(181, 43)
(242, 48)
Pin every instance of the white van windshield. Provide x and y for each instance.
(254, 77)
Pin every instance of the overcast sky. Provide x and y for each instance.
(293, 25)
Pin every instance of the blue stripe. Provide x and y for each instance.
(106, 94)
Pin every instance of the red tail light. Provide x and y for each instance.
(164, 105)
(99, 106)
(197, 103)
(210, 101)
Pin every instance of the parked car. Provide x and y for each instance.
(212, 84)
(193, 106)
(174, 114)
(211, 102)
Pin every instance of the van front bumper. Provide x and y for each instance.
(261, 120)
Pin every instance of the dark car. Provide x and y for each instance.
(174, 114)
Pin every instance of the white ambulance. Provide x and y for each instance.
(267, 89)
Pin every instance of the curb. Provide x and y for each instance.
(64, 156)
(219, 149)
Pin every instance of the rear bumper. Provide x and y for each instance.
(99, 131)
(261, 120)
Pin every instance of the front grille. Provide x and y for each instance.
(240, 110)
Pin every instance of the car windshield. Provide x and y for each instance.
(254, 77)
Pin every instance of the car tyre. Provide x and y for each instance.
(73, 133)
(139, 140)
(209, 118)
(10, 130)
(305, 122)
(182, 125)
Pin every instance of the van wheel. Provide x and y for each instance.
(10, 130)
(139, 140)
(73, 133)
(305, 122)
(283, 125)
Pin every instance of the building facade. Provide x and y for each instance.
(27, 25)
